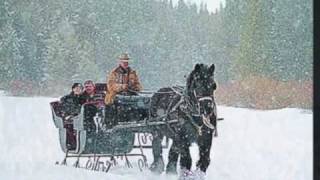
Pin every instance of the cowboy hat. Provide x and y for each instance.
(124, 57)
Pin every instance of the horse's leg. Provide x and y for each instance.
(158, 164)
(185, 157)
(173, 158)
(204, 143)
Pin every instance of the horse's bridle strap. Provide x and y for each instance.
(205, 98)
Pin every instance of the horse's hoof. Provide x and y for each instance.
(171, 172)
(200, 175)
(186, 174)
(157, 166)
(171, 169)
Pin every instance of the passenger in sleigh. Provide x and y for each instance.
(121, 80)
(88, 94)
(71, 105)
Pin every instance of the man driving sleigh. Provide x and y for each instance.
(121, 80)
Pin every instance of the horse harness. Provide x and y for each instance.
(191, 110)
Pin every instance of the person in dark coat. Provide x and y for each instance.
(71, 103)
(71, 106)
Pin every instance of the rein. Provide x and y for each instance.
(153, 92)
(190, 108)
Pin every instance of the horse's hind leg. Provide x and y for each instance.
(157, 164)
(204, 143)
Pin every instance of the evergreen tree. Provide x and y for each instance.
(252, 59)
(52, 43)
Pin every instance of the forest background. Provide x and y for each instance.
(263, 50)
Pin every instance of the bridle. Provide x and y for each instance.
(192, 107)
(205, 119)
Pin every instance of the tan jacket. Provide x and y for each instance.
(115, 81)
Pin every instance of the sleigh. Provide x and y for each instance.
(91, 134)
(185, 114)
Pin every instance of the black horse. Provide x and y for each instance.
(194, 109)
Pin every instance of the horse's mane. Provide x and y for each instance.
(190, 78)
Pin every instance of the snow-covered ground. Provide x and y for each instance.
(252, 145)
(2, 93)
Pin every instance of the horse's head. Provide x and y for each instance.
(200, 88)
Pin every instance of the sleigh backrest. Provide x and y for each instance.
(57, 108)
(101, 87)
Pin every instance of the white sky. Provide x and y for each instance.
(212, 4)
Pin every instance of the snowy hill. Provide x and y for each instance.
(258, 145)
